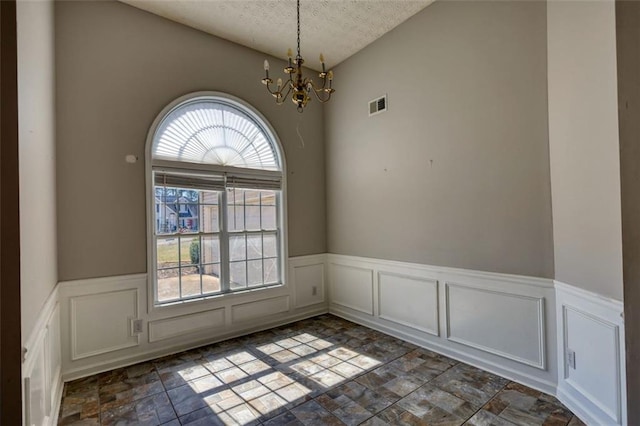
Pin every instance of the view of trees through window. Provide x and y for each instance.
(189, 255)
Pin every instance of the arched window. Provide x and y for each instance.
(215, 173)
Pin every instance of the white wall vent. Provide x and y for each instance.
(378, 105)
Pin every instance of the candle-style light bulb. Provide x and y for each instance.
(289, 54)
(321, 57)
(266, 73)
(330, 75)
(279, 83)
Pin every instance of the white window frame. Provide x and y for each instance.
(177, 166)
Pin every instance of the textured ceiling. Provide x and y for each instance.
(337, 28)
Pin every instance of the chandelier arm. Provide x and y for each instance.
(322, 99)
(273, 92)
(321, 89)
(286, 95)
(280, 97)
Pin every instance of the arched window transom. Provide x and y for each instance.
(210, 132)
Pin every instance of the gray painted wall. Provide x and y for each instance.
(117, 67)
(583, 139)
(456, 172)
(36, 109)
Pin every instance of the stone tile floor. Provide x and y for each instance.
(319, 371)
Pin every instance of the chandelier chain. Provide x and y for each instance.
(298, 29)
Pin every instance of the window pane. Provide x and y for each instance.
(235, 216)
(254, 246)
(235, 196)
(270, 271)
(162, 217)
(166, 218)
(209, 197)
(268, 217)
(167, 252)
(188, 225)
(190, 281)
(254, 272)
(210, 251)
(270, 245)
(168, 284)
(209, 218)
(268, 198)
(189, 250)
(251, 198)
(193, 214)
(187, 200)
(238, 274)
(210, 278)
(237, 247)
(252, 217)
(173, 205)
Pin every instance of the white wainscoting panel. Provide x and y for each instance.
(41, 369)
(54, 361)
(497, 322)
(307, 274)
(527, 326)
(352, 287)
(409, 301)
(96, 313)
(185, 324)
(592, 327)
(101, 322)
(261, 308)
(505, 324)
(602, 389)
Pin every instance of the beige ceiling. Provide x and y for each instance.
(336, 28)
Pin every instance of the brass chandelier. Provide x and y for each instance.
(299, 87)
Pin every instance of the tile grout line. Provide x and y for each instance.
(166, 393)
(488, 401)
